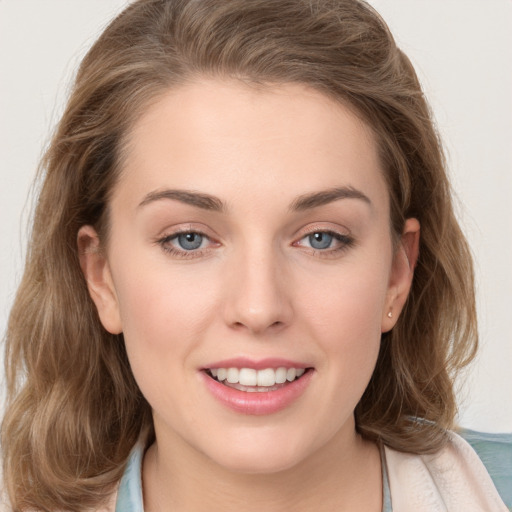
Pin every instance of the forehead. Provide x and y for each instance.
(225, 137)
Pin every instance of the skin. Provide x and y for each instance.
(255, 288)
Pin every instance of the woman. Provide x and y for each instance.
(245, 276)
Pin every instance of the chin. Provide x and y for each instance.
(260, 456)
(256, 464)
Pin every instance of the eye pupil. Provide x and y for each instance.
(190, 241)
(320, 240)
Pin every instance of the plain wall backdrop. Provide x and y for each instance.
(462, 51)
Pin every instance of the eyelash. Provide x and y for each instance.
(183, 254)
(346, 242)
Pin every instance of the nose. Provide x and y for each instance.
(258, 293)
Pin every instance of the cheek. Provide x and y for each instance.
(347, 304)
(343, 313)
(163, 310)
(165, 316)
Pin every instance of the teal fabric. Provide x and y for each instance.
(386, 494)
(495, 451)
(129, 495)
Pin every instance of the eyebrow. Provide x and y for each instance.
(212, 203)
(316, 199)
(198, 199)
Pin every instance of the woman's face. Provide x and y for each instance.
(250, 239)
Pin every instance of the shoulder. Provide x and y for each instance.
(127, 497)
(495, 451)
(452, 479)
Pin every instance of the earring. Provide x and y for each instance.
(390, 315)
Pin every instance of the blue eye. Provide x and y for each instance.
(189, 241)
(326, 243)
(187, 244)
(320, 240)
(194, 244)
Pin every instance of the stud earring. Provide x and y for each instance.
(390, 315)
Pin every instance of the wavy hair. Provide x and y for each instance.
(74, 410)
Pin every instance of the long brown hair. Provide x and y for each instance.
(74, 410)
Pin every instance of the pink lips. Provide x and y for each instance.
(257, 403)
(244, 362)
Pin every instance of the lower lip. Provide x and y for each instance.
(258, 403)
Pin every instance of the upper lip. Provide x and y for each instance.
(260, 364)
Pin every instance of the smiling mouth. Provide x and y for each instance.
(254, 381)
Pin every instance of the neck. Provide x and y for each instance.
(344, 475)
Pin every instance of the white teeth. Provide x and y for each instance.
(248, 377)
(281, 375)
(232, 376)
(261, 378)
(266, 377)
(291, 373)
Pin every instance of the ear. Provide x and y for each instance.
(96, 270)
(402, 273)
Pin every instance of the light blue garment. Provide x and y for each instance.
(129, 495)
(495, 451)
(386, 495)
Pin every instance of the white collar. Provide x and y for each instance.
(452, 479)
